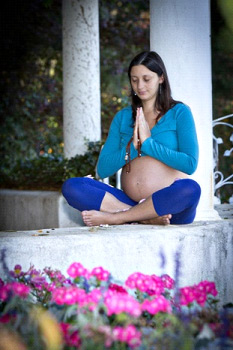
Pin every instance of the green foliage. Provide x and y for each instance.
(222, 66)
(31, 82)
(32, 112)
(48, 172)
(124, 32)
(31, 150)
(222, 51)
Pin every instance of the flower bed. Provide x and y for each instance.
(88, 310)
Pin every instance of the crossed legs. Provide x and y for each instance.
(94, 198)
(103, 204)
(111, 204)
(143, 212)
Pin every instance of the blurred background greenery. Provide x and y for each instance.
(31, 148)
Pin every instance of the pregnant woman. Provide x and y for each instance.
(154, 142)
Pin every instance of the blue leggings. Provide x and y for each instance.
(179, 199)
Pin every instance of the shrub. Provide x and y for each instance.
(88, 310)
(48, 171)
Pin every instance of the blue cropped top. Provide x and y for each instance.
(173, 141)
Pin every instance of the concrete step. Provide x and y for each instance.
(30, 210)
(206, 250)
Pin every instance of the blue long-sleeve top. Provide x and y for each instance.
(173, 141)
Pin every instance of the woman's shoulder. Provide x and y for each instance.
(180, 111)
(181, 107)
(124, 112)
(124, 116)
(123, 119)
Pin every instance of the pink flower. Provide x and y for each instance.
(129, 335)
(20, 289)
(197, 293)
(77, 270)
(92, 299)
(36, 278)
(74, 295)
(116, 288)
(14, 288)
(157, 287)
(71, 337)
(131, 280)
(4, 292)
(208, 288)
(168, 282)
(200, 297)
(187, 295)
(100, 273)
(5, 318)
(153, 285)
(49, 286)
(117, 303)
(69, 296)
(159, 304)
(55, 275)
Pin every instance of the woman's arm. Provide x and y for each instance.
(112, 155)
(184, 159)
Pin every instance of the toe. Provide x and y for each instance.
(84, 214)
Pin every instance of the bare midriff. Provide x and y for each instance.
(147, 175)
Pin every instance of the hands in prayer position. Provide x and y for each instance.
(141, 128)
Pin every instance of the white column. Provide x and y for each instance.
(81, 75)
(180, 33)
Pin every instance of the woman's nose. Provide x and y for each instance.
(140, 84)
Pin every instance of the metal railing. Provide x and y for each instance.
(118, 179)
(219, 179)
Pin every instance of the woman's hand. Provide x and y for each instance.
(136, 131)
(142, 125)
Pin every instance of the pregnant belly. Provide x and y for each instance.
(147, 175)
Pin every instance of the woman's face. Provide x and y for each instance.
(145, 83)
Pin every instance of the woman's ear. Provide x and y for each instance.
(161, 79)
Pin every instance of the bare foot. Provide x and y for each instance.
(96, 218)
(160, 220)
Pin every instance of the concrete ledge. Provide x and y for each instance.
(206, 250)
(59, 238)
(30, 210)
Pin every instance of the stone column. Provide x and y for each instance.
(81, 75)
(180, 33)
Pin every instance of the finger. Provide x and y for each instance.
(135, 133)
(141, 114)
(141, 111)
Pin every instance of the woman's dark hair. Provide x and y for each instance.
(153, 62)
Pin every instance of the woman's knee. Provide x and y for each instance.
(70, 185)
(191, 189)
(195, 189)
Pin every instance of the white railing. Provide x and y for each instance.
(118, 179)
(219, 179)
